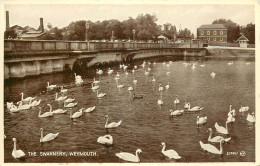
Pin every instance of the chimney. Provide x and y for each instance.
(41, 25)
(7, 20)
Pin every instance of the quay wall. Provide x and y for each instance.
(230, 52)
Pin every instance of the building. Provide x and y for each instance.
(32, 34)
(243, 41)
(214, 33)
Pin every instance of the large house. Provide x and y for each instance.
(213, 33)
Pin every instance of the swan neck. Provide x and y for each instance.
(22, 96)
(226, 126)
(41, 134)
(39, 113)
(14, 145)
(210, 134)
(106, 121)
(56, 96)
(136, 154)
(163, 149)
(221, 148)
(50, 108)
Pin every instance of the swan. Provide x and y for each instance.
(243, 109)
(109, 71)
(129, 157)
(9, 105)
(117, 74)
(26, 99)
(121, 66)
(213, 75)
(170, 153)
(116, 78)
(13, 109)
(79, 81)
(230, 118)
(77, 76)
(25, 106)
(76, 114)
(216, 138)
(99, 71)
(176, 112)
(125, 67)
(134, 81)
(100, 95)
(119, 86)
(48, 137)
(95, 81)
(186, 105)
(230, 63)
(164, 63)
(61, 98)
(135, 67)
(90, 109)
(248, 63)
(176, 101)
(111, 125)
(149, 62)
(17, 153)
(35, 103)
(160, 87)
(168, 65)
(221, 129)
(146, 72)
(231, 112)
(50, 86)
(130, 88)
(212, 149)
(201, 120)
(106, 139)
(70, 105)
(69, 100)
(195, 108)
(251, 118)
(202, 65)
(126, 73)
(168, 85)
(63, 90)
(149, 69)
(193, 66)
(153, 79)
(59, 111)
(160, 102)
(46, 114)
(94, 87)
(154, 63)
(133, 71)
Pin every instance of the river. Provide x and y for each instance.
(145, 124)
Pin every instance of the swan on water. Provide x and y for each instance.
(95, 81)
(9, 104)
(250, 118)
(153, 79)
(26, 99)
(59, 111)
(160, 102)
(231, 111)
(76, 114)
(109, 71)
(202, 65)
(230, 118)
(117, 74)
(243, 109)
(135, 67)
(160, 87)
(100, 95)
(35, 103)
(61, 98)
(50, 86)
(94, 87)
(14, 109)
(119, 86)
(230, 63)
(248, 63)
(90, 109)
(78, 81)
(176, 101)
(133, 71)
(126, 73)
(129, 157)
(69, 100)
(212, 149)
(63, 90)
(130, 88)
(201, 120)
(77, 76)
(193, 66)
(69, 105)
(195, 108)
(112, 124)
(186, 105)
(168, 85)
(170, 153)
(125, 67)
(99, 71)
(146, 72)
(134, 81)
(216, 139)
(105, 140)
(25, 106)
(213, 75)
(222, 129)
(176, 112)
(46, 114)
(17, 153)
(154, 63)
(116, 78)
(48, 137)
(149, 69)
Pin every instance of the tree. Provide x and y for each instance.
(249, 32)
(75, 31)
(10, 33)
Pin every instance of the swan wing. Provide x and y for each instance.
(58, 111)
(114, 124)
(50, 137)
(171, 154)
(18, 153)
(216, 139)
(127, 157)
(210, 148)
(76, 114)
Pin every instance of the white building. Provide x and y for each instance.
(243, 41)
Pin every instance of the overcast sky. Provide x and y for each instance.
(188, 16)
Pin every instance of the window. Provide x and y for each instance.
(221, 32)
(208, 38)
(215, 39)
(221, 38)
(215, 32)
(208, 32)
(202, 32)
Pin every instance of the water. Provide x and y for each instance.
(144, 124)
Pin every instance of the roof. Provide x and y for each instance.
(213, 26)
(242, 38)
(33, 32)
(161, 37)
(31, 35)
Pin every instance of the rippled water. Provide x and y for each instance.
(144, 123)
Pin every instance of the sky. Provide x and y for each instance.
(182, 16)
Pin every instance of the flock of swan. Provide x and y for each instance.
(69, 103)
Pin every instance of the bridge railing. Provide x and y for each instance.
(54, 45)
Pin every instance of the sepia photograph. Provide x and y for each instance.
(129, 82)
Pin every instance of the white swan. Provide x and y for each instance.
(17, 153)
(195, 108)
(95, 81)
(170, 153)
(48, 137)
(243, 109)
(130, 88)
(69, 105)
(176, 112)
(212, 149)
(160, 87)
(176, 101)
(193, 66)
(186, 105)
(248, 63)
(109, 71)
(106, 140)
(119, 86)
(25, 106)
(59, 111)
(154, 63)
(216, 138)
(90, 109)
(213, 75)
(9, 105)
(46, 114)
(230, 118)
(221, 129)
(129, 157)
(146, 72)
(26, 99)
(50, 86)
(133, 71)
(116, 78)
(100, 95)
(78, 81)
(153, 79)
(231, 112)
(126, 72)
(77, 76)
(160, 102)
(94, 87)
(134, 81)
(125, 67)
(230, 63)
(61, 98)
(14, 109)
(63, 90)
(167, 86)
(149, 69)
(111, 125)
(117, 74)
(99, 71)
(35, 103)
(250, 118)
(202, 65)
(69, 100)
(201, 120)
(135, 67)
(76, 114)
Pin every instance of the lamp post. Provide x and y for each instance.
(87, 38)
(134, 36)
